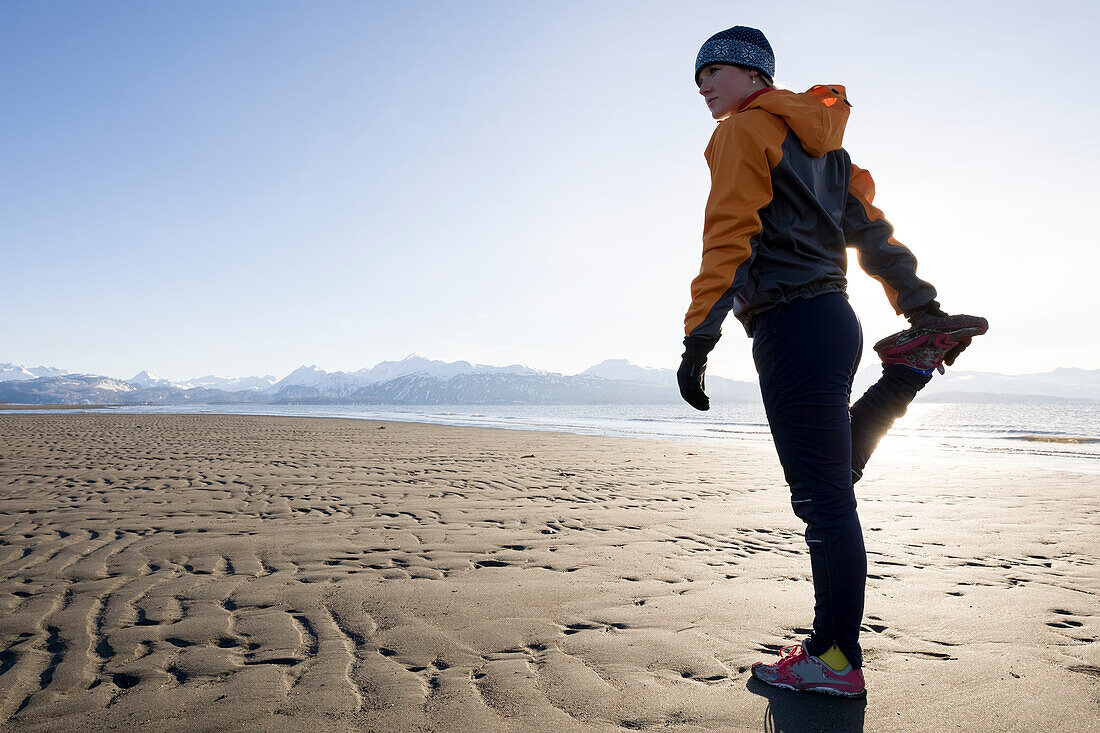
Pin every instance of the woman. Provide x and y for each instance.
(785, 203)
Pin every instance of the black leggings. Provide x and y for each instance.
(806, 354)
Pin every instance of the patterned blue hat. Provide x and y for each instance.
(739, 46)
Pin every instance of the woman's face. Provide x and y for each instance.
(725, 87)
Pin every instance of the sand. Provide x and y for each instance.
(190, 573)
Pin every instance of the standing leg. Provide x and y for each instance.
(805, 354)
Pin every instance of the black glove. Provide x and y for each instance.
(950, 356)
(926, 315)
(693, 369)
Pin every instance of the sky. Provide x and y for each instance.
(242, 188)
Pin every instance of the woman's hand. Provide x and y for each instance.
(693, 369)
(925, 316)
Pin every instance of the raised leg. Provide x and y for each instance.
(875, 412)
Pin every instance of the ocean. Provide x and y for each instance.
(1048, 435)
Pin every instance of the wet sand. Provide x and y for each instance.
(184, 573)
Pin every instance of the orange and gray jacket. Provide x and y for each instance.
(785, 203)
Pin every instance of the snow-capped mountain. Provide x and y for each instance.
(720, 388)
(474, 388)
(416, 364)
(17, 372)
(312, 380)
(70, 389)
(623, 369)
(419, 380)
(14, 373)
(146, 379)
(309, 380)
(1060, 384)
(303, 376)
(229, 384)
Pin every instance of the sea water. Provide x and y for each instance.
(1060, 436)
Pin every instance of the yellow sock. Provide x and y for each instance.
(834, 658)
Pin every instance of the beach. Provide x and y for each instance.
(228, 572)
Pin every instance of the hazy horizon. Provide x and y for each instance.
(281, 375)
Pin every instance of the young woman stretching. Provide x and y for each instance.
(785, 203)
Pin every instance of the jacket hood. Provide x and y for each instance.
(817, 116)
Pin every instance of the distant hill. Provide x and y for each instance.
(1079, 385)
(16, 372)
(228, 384)
(71, 389)
(419, 380)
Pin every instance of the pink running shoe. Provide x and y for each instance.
(797, 670)
(926, 347)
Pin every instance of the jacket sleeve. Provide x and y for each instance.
(742, 155)
(880, 255)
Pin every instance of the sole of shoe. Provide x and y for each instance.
(915, 338)
(835, 692)
(957, 327)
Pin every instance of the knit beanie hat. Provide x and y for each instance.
(738, 46)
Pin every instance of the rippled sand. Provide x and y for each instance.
(229, 573)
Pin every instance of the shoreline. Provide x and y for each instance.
(1076, 454)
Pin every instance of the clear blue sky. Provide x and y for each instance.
(240, 188)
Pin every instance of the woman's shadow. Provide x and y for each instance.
(802, 712)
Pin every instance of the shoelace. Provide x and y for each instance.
(787, 655)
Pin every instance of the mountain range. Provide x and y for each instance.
(419, 380)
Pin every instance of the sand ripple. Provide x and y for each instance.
(224, 572)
